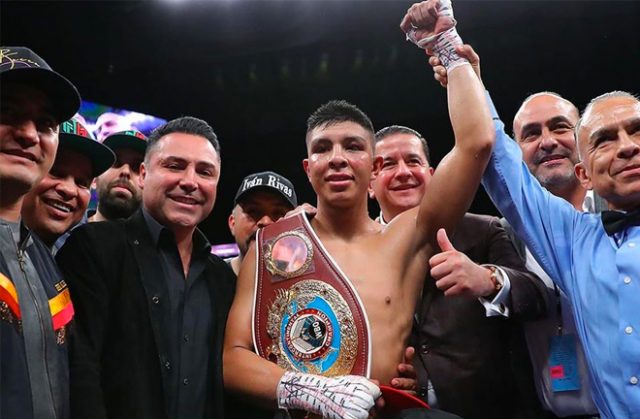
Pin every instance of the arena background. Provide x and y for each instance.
(255, 69)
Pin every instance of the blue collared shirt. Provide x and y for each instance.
(599, 274)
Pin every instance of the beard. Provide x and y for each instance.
(557, 178)
(114, 207)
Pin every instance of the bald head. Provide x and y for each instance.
(543, 128)
(609, 141)
(536, 100)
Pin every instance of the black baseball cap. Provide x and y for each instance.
(128, 139)
(21, 65)
(75, 136)
(268, 181)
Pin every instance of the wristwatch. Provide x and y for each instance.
(496, 278)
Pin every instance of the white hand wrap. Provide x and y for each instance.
(444, 47)
(442, 44)
(347, 396)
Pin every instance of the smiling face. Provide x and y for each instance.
(60, 200)
(404, 173)
(340, 163)
(179, 180)
(543, 128)
(28, 137)
(609, 141)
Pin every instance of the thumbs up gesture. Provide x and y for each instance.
(456, 274)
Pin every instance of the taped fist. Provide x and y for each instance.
(347, 396)
(424, 22)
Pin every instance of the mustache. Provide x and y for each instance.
(121, 183)
(541, 156)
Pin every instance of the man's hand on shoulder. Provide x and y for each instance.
(306, 208)
(456, 274)
(465, 51)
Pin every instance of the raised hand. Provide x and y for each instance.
(425, 21)
(456, 274)
(346, 396)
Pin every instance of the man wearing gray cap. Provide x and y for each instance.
(262, 199)
(35, 307)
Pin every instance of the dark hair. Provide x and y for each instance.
(337, 111)
(399, 129)
(185, 125)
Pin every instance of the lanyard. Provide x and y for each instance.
(560, 325)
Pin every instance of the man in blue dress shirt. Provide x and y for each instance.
(594, 259)
(544, 130)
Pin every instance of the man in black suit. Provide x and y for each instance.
(478, 288)
(151, 300)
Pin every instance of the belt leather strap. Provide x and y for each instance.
(307, 316)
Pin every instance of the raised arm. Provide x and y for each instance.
(458, 175)
(268, 385)
(511, 179)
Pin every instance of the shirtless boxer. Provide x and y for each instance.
(386, 265)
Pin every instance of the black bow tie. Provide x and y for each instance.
(616, 221)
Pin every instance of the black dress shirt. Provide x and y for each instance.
(187, 324)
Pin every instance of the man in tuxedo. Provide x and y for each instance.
(151, 299)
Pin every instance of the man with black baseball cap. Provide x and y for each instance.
(59, 202)
(119, 192)
(35, 307)
(262, 199)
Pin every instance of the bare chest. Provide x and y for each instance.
(375, 277)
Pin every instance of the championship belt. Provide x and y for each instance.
(307, 316)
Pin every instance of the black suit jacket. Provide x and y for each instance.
(118, 361)
(467, 355)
